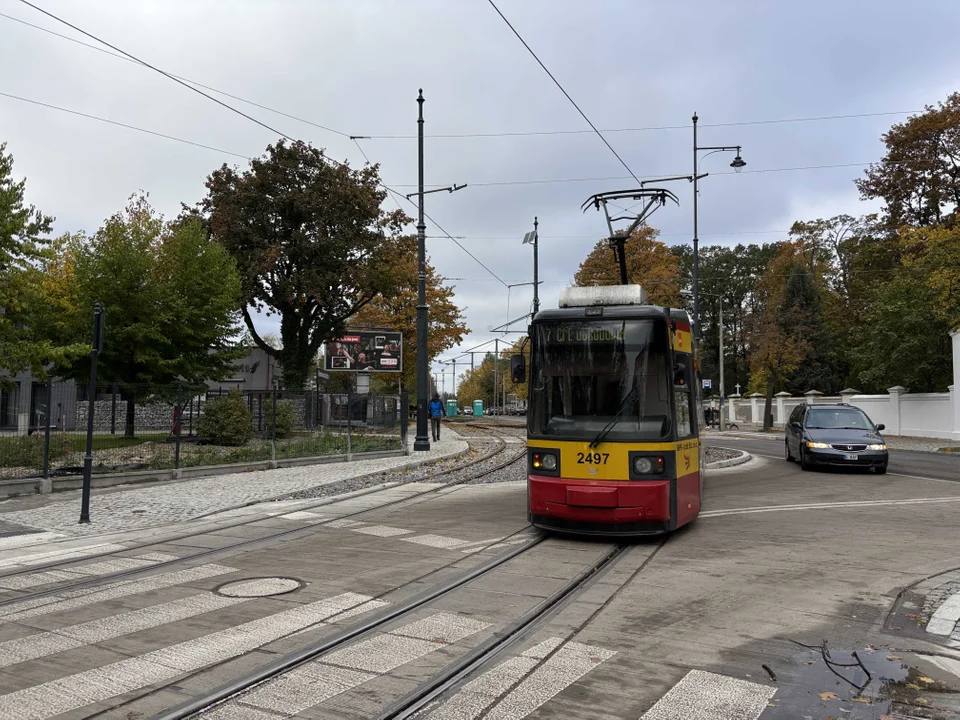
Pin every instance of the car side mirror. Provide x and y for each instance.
(518, 369)
(880, 427)
(795, 424)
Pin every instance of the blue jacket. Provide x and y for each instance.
(435, 408)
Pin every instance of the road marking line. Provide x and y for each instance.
(945, 619)
(437, 541)
(703, 695)
(505, 543)
(74, 636)
(27, 539)
(570, 663)
(303, 515)
(342, 670)
(45, 577)
(58, 555)
(99, 684)
(820, 506)
(381, 530)
(31, 607)
(344, 523)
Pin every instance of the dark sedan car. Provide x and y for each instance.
(835, 435)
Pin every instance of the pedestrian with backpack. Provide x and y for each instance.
(435, 409)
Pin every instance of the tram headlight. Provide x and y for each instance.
(648, 465)
(544, 461)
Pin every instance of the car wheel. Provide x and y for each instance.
(882, 470)
(786, 451)
(804, 464)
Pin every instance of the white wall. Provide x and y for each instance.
(926, 415)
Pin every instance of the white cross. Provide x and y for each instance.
(738, 388)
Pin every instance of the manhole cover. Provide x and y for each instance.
(259, 587)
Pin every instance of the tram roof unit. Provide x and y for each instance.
(609, 301)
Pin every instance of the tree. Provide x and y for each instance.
(650, 263)
(908, 344)
(23, 252)
(311, 243)
(919, 177)
(935, 252)
(170, 296)
(398, 310)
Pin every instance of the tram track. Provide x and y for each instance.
(448, 679)
(93, 582)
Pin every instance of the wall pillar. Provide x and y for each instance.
(780, 417)
(895, 392)
(846, 395)
(755, 408)
(812, 396)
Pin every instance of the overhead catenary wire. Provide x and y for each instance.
(566, 94)
(238, 112)
(467, 135)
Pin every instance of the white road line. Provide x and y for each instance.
(570, 663)
(821, 506)
(437, 541)
(45, 577)
(92, 686)
(58, 555)
(945, 619)
(31, 607)
(304, 515)
(17, 541)
(46, 643)
(381, 530)
(342, 670)
(703, 695)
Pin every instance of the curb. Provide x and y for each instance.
(744, 457)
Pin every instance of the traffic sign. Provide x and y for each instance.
(707, 383)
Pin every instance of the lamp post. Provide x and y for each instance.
(533, 238)
(738, 164)
(422, 441)
(686, 293)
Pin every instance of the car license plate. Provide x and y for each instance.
(849, 456)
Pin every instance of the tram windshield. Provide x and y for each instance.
(586, 372)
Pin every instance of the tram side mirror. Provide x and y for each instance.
(679, 375)
(518, 369)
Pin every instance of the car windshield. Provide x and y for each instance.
(837, 419)
(584, 373)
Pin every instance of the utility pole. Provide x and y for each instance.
(455, 379)
(422, 440)
(536, 268)
(496, 367)
(696, 239)
(722, 393)
(91, 410)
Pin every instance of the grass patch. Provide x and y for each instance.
(950, 449)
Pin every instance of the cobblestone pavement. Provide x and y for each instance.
(132, 508)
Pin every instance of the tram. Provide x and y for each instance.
(614, 415)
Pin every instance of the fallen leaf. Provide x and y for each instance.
(828, 695)
(914, 687)
(810, 662)
(866, 701)
(922, 701)
(894, 657)
(896, 627)
(928, 681)
(912, 615)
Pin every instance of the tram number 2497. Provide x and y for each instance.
(592, 458)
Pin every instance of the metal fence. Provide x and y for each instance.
(151, 427)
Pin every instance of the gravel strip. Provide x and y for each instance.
(715, 454)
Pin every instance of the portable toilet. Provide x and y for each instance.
(451, 408)
(478, 408)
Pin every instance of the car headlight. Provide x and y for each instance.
(876, 447)
(647, 465)
(545, 461)
(818, 445)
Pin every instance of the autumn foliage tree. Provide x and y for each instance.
(311, 242)
(398, 310)
(650, 263)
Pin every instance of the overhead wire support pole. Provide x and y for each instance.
(421, 442)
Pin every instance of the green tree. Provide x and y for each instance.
(170, 296)
(801, 318)
(311, 243)
(918, 178)
(24, 250)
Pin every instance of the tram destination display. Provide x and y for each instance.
(365, 351)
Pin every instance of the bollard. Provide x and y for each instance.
(46, 485)
(176, 431)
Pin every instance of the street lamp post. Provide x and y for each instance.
(533, 238)
(422, 441)
(738, 164)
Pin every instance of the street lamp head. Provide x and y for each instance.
(738, 162)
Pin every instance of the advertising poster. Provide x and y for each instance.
(365, 351)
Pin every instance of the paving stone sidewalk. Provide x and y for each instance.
(117, 510)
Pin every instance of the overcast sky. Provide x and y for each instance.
(355, 66)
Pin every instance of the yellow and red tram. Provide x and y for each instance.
(614, 415)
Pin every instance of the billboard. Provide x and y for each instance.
(365, 351)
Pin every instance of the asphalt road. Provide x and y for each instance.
(940, 466)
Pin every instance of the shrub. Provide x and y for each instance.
(226, 421)
(286, 418)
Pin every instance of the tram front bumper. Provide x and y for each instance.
(600, 506)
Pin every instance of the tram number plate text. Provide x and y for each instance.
(592, 458)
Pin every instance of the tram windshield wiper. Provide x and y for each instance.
(616, 418)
